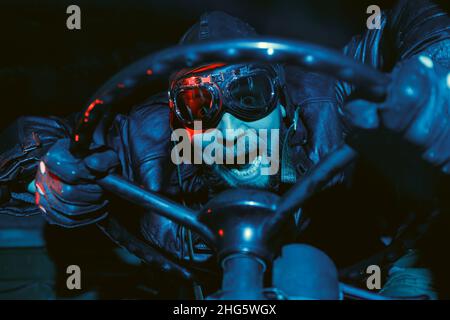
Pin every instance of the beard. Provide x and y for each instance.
(219, 177)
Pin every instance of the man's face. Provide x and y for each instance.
(233, 117)
(251, 150)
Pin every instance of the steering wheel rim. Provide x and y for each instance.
(136, 79)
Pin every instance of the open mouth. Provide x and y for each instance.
(245, 170)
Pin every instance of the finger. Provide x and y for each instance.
(102, 162)
(90, 193)
(439, 152)
(406, 95)
(72, 194)
(61, 163)
(62, 218)
(361, 115)
(68, 202)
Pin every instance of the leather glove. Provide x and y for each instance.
(415, 113)
(65, 191)
(23, 143)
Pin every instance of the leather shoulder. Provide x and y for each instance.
(149, 130)
(24, 142)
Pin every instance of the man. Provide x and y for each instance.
(306, 108)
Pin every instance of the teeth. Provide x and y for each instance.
(251, 170)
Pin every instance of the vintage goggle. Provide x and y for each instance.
(248, 92)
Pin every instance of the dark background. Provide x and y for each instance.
(48, 69)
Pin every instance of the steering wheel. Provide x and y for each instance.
(131, 86)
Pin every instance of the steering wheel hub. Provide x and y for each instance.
(237, 218)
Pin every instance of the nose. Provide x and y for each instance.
(229, 121)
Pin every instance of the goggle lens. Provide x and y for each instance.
(194, 103)
(252, 93)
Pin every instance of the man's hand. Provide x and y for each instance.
(415, 113)
(65, 191)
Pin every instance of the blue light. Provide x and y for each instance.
(309, 58)
(427, 62)
(248, 233)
